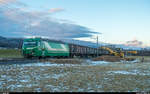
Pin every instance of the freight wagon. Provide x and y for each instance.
(38, 47)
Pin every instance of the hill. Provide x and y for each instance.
(10, 42)
(17, 43)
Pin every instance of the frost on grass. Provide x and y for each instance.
(92, 76)
(132, 72)
(13, 77)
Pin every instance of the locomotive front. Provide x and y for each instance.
(30, 47)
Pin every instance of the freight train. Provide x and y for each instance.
(38, 47)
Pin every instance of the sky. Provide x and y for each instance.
(114, 21)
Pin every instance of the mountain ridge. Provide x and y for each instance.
(6, 42)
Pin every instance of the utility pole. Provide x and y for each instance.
(97, 46)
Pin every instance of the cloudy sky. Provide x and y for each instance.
(115, 21)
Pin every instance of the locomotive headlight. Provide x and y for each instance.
(39, 48)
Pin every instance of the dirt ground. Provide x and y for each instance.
(146, 58)
(63, 61)
(118, 59)
(89, 76)
(108, 58)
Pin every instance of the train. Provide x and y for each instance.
(39, 47)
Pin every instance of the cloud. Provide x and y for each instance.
(54, 29)
(19, 23)
(53, 10)
(7, 1)
(135, 43)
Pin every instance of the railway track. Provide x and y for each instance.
(17, 60)
(36, 60)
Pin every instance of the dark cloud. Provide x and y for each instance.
(61, 30)
(18, 22)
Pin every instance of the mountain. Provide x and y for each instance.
(10, 42)
(94, 45)
(17, 42)
(125, 47)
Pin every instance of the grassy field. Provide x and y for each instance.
(44, 76)
(47, 77)
(10, 53)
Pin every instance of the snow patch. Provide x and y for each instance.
(24, 80)
(3, 76)
(56, 76)
(121, 72)
(132, 72)
(134, 61)
(14, 86)
(41, 64)
(1, 83)
(38, 90)
(97, 62)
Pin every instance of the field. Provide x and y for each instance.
(73, 75)
(88, 76)
(10, 53)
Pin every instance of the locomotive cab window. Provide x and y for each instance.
(30, 44)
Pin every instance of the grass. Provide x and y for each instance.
(74, 78)
(18, 78)
(10, 53)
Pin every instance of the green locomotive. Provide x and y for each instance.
(36, 47)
